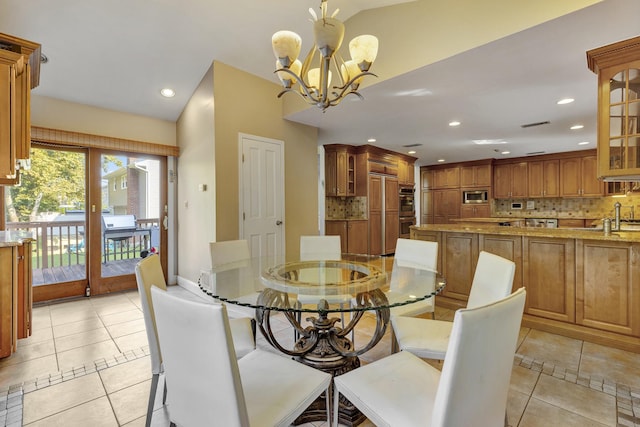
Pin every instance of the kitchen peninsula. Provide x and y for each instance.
(580, 283)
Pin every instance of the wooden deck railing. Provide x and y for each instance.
(61, 243)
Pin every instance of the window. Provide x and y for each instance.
(123, 182)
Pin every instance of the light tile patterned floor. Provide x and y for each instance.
(87, 363)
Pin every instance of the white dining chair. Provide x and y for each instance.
(232, 254)
(415, 253)
(427, 338)
(403, 390)
(149, 274)
(209, 386)
(323, 248)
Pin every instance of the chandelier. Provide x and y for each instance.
(313, 77)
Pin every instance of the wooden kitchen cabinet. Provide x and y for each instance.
(475, 176)
(549, 274)
(357, 237)
(475, 211)
(406, 172)
(543, 178)
(427, 178)
(510, 180)
(509, 247)
(459, 259)
(426, 211)
(337, 228)
(446, 205)
(340, 172)
(608, 298)
(20, 72)
(15, 295)
(353, 234)
(447, 177)
(8, 300)
(578, 177)
(617, 66)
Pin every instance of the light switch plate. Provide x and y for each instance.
(531, 204)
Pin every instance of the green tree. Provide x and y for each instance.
(55, 181)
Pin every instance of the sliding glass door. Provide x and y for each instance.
(94, 215)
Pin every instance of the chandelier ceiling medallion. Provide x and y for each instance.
(313, 77)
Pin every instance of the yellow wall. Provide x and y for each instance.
(247, 104)
(226, 103)
(196, 165)
(58, 114)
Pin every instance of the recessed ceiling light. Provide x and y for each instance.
(371, 140)
(168, 93)
(414, 92)
(575, 127)
(489, 141)
(506, 152)
(565, 101)
(441, 160)
(411, 152)
(454, 123)
(583, 143)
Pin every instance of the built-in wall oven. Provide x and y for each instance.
(406, 205)
(405, 223)
(407, 210)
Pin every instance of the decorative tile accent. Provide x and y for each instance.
(627, 400)
(346, 207)
(11, 398)
(598, 207)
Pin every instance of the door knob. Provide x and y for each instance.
(278, 222)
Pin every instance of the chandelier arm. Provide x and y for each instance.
(344, 88)
(303, 87)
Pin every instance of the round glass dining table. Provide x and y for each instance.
(314, 295)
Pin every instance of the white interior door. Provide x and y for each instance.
(262, 195)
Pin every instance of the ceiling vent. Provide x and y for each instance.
(530, 125)
(535, 153)
(412, 145)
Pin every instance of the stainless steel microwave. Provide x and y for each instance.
(475, 196)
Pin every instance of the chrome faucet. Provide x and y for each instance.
(616, 218)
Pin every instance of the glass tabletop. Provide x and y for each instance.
(352, 283)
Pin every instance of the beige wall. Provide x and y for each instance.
(58, 114)
(226, 103)
(196, 165)
(247, 104)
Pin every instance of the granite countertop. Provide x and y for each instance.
(14, 238)
(346, 219)
(563, 233)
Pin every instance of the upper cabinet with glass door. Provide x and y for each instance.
(618, 69)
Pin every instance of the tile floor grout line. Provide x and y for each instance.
(627, 399)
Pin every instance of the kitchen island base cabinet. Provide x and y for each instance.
(608, 298)
(508, 247)
(579, 284)
(549, 276)
(460, 256)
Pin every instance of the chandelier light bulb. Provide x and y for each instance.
(287, 79)
(314, 78)
(286, 47)
(363, 50)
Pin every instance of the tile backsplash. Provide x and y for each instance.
(346, 207)
(567, 207)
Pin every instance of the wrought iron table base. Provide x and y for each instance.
(323, 345)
